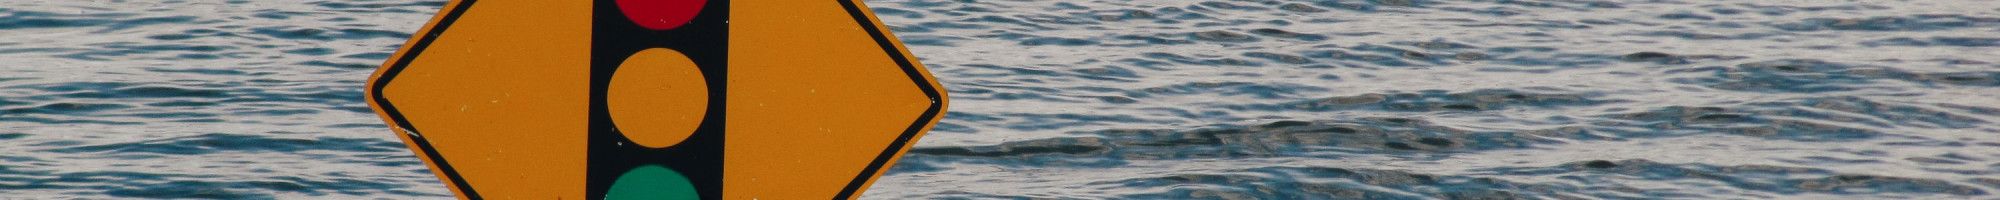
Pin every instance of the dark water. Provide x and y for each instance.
(1350, 99)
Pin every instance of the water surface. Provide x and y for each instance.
(1242, 99)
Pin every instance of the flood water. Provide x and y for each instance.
(1211, 99)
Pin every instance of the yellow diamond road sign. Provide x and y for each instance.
(656, 99)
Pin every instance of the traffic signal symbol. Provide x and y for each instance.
(657, 98)
(657, 76)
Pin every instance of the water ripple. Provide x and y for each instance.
(1454, 99)
(1259, 99)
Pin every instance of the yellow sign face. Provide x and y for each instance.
(656, 99)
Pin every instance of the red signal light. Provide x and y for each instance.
(661, 14)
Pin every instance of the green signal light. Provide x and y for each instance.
(651, 182)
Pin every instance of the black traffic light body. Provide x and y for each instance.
(704, 40)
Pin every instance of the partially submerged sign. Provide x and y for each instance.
(656, 99)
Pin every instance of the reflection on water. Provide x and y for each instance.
(1254, 99)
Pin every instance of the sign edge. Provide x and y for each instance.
(394, 118)
(918, 75)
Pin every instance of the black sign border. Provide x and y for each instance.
(917, 76)
(388, 109)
